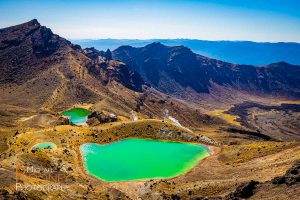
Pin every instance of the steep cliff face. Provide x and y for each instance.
(170, 69)
(115, 70)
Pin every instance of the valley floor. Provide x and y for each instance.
(236, 159)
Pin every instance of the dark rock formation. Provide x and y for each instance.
(242, 110)
(62, 121)
(122, 74)
(4, 194)
(115, 70)
(291, 177)
(93, 53)
(243, 191)
(100, 117)
(108, 55)
(171, 69)
(254, 134)
(93, 121)
(175, 197)
(278, 180)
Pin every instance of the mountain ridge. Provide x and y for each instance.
(159, 64)
(238, 52)
(33, 60)
(50, 83)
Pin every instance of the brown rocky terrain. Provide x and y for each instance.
(252, 133)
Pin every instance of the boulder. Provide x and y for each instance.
(292, 176)
(278, 180)
(62, 121)
(243, 191)
(97, 117)
(92, 121)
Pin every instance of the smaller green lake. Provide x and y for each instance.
(44, 145)
(77, 115)
(137, 159)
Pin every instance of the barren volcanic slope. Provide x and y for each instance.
(179, 72)
(40, 70)
(171, 68)
(247, 116)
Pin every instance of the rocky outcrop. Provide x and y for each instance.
(166, 133)
(100, 117)
(4, 194)
(243, 191)
(120, 72)
(114, 70)
(108, 54)
(253, 134)
(291, 177)
(246, 190)
(62, 121)
(93, 53)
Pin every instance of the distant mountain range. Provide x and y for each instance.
(239, 52)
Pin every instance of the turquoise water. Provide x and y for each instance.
(77, 115)
(136, 159)
(44, 145)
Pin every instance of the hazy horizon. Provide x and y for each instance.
(146, 39)
(214, 20)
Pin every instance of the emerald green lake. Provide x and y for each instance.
(77, 115)
(136, 159)
(44, 145)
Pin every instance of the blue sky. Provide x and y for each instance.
(255, 20)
